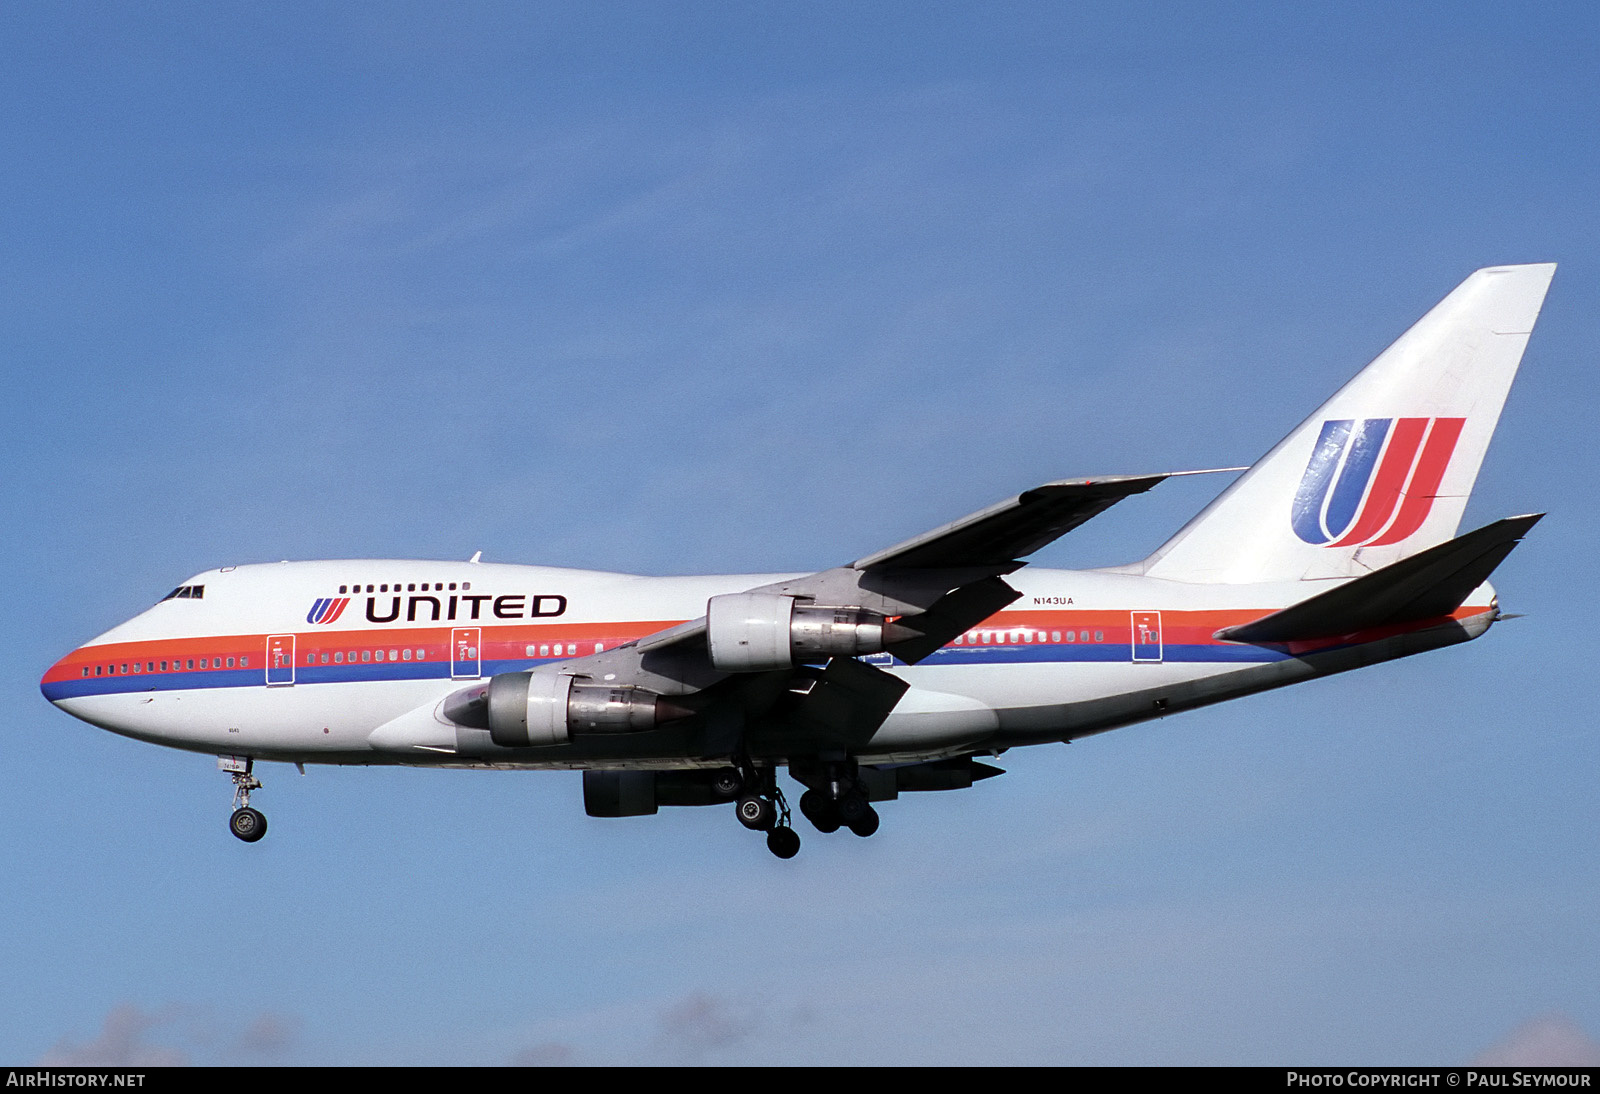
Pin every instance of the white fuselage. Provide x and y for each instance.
(301, 662)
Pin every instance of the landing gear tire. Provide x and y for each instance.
(816, 807)
(727, 783)
(851, 808)
(783, 842)
(756, 813)
(866, 824)
(248, 824)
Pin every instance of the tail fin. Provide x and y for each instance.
(1383, 469)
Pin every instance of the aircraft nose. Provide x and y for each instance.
(56, 683)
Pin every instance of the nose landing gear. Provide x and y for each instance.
(246, 823)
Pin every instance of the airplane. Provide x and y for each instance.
(902, 671)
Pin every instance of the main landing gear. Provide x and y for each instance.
(836, 798)
(761, 807)
(246, 823)
(839, 801)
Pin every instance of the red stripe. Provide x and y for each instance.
(1391, 477)
(1424, 485)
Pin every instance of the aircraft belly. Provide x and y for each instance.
(303, 719)
(925, 718)
(1013, 689)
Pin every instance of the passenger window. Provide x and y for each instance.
(394, 655)
(599, 647)
(338, 657)
(366, 655)
(136, 666)
(163, 666)
(230, 662)
(244, 662)
(408, 654)
(531, 651)
(324, 659)
(544, 650)
(1099, 636)
(99, 670)
(191, 662)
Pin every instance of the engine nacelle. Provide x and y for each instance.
(758, 632)
(529, 709)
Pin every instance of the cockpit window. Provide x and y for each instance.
(186, 592)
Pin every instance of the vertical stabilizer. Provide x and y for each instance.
(1383, 469)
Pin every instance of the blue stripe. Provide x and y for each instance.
(1106, 653)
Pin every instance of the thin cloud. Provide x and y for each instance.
(176, 1036)
(548, 1054)
(1550, 1040)
(702, 1023)
(124, 1040)
(270, 1034)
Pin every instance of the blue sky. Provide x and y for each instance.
(706, 288)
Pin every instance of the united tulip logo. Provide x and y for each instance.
(1372, 481)
(327, 609)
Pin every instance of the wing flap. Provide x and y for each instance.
(958, 610)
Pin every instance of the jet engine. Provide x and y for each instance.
(528, 709)
(758, 632)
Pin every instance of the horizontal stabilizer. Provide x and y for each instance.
(1427, 585)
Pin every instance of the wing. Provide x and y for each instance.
(1013, 528)
(795, 677)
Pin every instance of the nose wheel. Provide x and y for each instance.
(246, 823)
